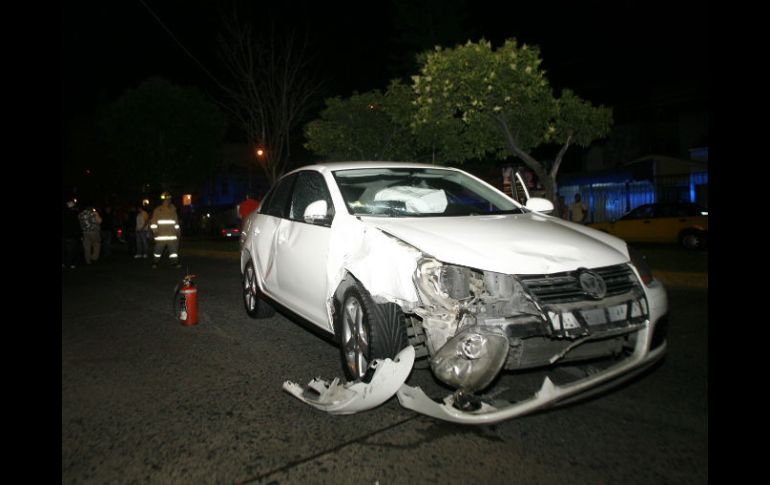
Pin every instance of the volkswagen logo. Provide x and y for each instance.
(592, 284)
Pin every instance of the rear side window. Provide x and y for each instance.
(688, 210)
(277, 203)
(665, 210)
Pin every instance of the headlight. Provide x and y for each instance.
(442, 284)
(640, 262)
(471, 359)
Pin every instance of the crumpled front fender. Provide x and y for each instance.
(357, 396)
(549, 394)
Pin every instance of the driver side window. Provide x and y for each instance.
(310, 187)
(276, 201)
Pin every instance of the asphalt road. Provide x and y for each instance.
(146, 400)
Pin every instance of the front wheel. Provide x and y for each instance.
(253, 300)
(693, 240)
(367, 331)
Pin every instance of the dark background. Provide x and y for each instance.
(609, 52)
(647, 60)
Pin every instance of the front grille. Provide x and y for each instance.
(565, 287)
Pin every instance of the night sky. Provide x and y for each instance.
(647, 60)
(617, 53)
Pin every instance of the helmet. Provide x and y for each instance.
(165, 195)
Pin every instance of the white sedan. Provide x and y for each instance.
(405, 261)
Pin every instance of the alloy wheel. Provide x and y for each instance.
(355, 337)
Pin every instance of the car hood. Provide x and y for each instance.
(515, 244)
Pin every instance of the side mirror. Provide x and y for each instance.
(537, 204)
(316, 213)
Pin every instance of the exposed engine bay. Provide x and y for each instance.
(478, 322)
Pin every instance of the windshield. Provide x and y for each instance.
(419, 192)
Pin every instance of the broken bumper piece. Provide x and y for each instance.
(549, 394)
(357, 396)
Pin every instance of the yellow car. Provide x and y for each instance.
(686, 224)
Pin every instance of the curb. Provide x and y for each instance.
(673, 279)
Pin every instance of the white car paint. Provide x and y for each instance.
(357, 396)
(516, 244)
(382, 253)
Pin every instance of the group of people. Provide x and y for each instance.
(87, 227)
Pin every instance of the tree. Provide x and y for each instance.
(161, 134)
(499, 103)
(269, 89)
(368, 126)
(376, 126)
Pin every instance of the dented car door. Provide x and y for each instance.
(302, 248)
(272, 215)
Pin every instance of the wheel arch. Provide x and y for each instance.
(245, 258)
(386, 324)
(698, 231)
(348, 280)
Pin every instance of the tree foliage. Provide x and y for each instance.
(368, 126)
(468, 102)
(161, 134)
(499, 103)
(377, 126)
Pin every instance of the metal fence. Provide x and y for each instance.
(610, 201)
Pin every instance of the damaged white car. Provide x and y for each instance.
(405, 261)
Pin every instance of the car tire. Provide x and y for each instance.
(253, 299)
(366, 331)
(693, 239)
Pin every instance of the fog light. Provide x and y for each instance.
(471, 359)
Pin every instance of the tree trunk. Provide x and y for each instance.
(547, 179)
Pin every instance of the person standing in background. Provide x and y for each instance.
(90, 221)
(578, 212)
(164, 225)
(141, 226)
(246, 207)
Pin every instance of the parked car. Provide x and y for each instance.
(683, 223)
(404, 261)
(230, 231)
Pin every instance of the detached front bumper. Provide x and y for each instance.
(357, 396)
(549, 395)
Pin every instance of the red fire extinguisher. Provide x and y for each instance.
(186, 302)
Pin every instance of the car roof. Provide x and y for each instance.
(334, 166)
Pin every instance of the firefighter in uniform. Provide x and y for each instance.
(164, 225)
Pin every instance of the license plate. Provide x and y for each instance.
(595, 317)
(568, 320)
(618, 312)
